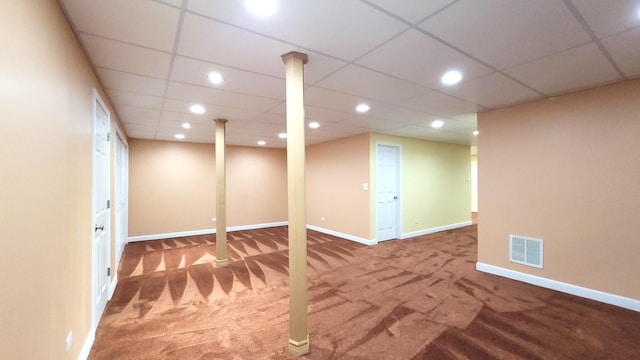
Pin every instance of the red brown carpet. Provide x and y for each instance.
(417, 298)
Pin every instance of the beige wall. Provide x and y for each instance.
(335, 173)
(566, 170)
(172, 186)
(46, 183)
(474, 182)
(435, 183)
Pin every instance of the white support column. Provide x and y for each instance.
(221, 194)
(298, 330)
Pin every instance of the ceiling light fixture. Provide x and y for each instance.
(476, 132)
(261, 8)
(314, 124)
(282, 135)
(215, 78)
(451, 77)
(179, 136)
(197, 109)
(437, 124)
(186, 126)
(362, 108)
(262, 143)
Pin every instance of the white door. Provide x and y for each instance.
(387, 192)
(101, 241)
(121, 177)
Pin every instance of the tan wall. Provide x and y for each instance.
(436, 188)
(566, 170)
(474, 182)
(335, 173)
(46, 183)
(172, 186)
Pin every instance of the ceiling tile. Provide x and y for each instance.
(625, 51)
(504, 33)
(116, 55)
(411, 10)
(136, 100)
(493, 90)
(420, 59)
(212, 111)
(324, 115)
(333, 100)
(207, 95)
(176, 3)
(609, 17)
(371, 123)
(134, 120)
(132, 111)
(442, 104)
(357, 80)
(581, 67)
(228, 45)
(127, 21)
(118, 80)
(344, 29)
(147, 128)
(195, 72)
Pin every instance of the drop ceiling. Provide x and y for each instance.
(153, 58)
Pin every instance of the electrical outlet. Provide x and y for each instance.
(322, 218)
(213, 219)
(365, 186)
(69, 340)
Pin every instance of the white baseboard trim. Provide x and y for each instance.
(203, 232)
(612, 299)
(342, 235)
(257, 226)
(434, 230)
(114, 282)
(88, 343)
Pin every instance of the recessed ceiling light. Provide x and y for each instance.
(179, 136)
(437, 124)
(186, 126)
(261, 8)
(197, 109)
(476, 132)
(215, 78)
(314, 124)
(362, 108)
(262, 143)
(451, 77)
(282, 135)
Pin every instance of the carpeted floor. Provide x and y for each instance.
(418, 298)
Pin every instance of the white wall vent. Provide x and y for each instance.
(525, 250)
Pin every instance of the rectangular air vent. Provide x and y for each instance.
(525, 250)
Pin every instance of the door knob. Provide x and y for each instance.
(395, 198)
(99, 227)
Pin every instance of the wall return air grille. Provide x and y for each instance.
(525, 250)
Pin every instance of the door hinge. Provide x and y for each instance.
(108, 204)
(109, 271)
(108, 136)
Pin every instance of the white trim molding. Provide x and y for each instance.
(88, 343)
(612, 299)
(342, 235)
(114, 283)
(202, 232)
(435, 229)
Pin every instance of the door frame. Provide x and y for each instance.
(97, 100)
(117, 181)
(399, 215)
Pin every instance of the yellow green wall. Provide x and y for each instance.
(436, 188)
